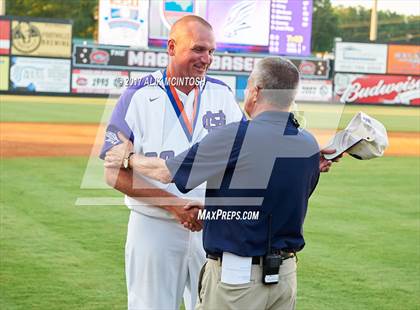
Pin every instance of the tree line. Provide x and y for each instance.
(352, 24)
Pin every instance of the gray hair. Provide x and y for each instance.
(278, 79)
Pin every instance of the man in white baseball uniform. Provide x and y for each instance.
(164, 114)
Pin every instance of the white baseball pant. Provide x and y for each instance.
(162, 258)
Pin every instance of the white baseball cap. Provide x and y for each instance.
(363, 138)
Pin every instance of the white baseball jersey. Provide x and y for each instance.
(153, 116)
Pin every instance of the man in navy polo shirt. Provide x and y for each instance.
(260, 175)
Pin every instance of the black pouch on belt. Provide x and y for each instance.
(271, 267)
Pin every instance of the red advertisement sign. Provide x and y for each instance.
(384, 89)
(4, 37)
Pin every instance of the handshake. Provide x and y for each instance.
(188, 215)
(184, 211)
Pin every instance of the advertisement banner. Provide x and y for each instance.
(360, 57)
(106, 57)
(98, 81)
(234, 21)
(4, 72)
(291, 27)
(123, 22)
(315, 90)
(4, 37)
(31, 38)
(30, 74)
(120, 58)
(384, 89)
(404, 59)
(312, 68)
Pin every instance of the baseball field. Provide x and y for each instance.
(362, 229)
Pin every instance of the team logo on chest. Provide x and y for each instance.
(213, 120)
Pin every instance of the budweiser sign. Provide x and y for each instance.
(385, 89)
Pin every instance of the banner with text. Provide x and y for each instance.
(120, 58)
(32, 38)
(382, 89)
(98, 81)
(404, 59)
(315, 90)
(123, 22)
(360, 57)
(291, 27)
(30, 74)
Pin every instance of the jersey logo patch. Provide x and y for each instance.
(112, 138)
(213, 120)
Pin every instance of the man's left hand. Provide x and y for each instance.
(325, 164)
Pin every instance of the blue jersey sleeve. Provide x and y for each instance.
(118, 123)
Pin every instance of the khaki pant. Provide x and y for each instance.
(214, 294)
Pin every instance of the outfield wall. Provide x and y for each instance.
(38, 56)
(370, 73)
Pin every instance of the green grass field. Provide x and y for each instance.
(90, 110)
(362, 234)
(51, 109)
(362, 229)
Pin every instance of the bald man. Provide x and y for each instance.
(164, 114)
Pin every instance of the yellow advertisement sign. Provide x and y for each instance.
(41, 39)
(4, 72)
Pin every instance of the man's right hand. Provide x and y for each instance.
(188, 215)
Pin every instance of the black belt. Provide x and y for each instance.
(255, 259)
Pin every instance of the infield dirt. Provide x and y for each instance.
(44, 139)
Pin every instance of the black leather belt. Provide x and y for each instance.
(255, 259)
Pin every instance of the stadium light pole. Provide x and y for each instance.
(374, 21)
(2, 7)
